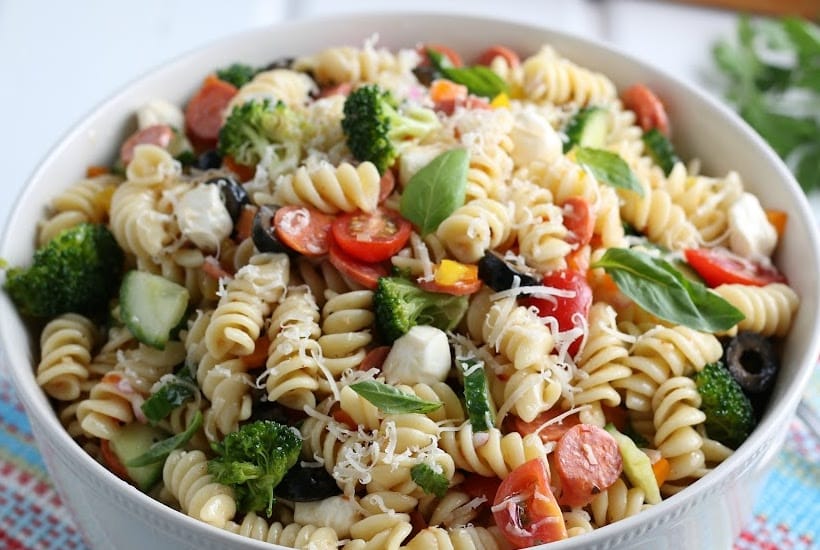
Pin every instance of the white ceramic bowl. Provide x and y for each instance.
(708, 514)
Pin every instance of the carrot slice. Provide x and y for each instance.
(778, 219)
(661, 470)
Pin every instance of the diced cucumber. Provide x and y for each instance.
(637, 466)
(588, 128)
(480, 407)
(151, 306)
(131, 441)
(661, 150)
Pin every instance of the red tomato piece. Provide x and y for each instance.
(158, 134)
(720, 266)
(203, 114)
(371, 237)
(446, 51)
(565, 310)
(509, 55)
(579, 221)
(477, 486)
(647, 107)
(554, 431)
(588, 462)
(374, 358)
(366, 274)
(303, 229)
(112, 461)
(525, 509)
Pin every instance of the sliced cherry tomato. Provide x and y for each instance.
(588, 462)
(565, 310)
(449, 53)
(720, 266)
(618, 416)
(374, 358)
(525, 509)
(303, 229)
(509, 55)
(364, 273)
(579, 221)
(158, 134)
(112, 461)
(243, 172)
(477, 486)
(554, 431)
(386, 185)
(371, 237)
(203, 114)
(647, 107)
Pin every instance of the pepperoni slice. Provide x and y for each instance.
(588, 462)
(647, 107)
(487, 56)
(158, 134)
(203, 114)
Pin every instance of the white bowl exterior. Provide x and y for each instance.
(708, 514)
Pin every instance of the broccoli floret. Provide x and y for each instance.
(77, 271)
(400, 305)
(375, 128)
(253, 460)
(729, 414)
(237, 74)
(261, 130)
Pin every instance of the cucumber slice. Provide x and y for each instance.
(588, 128)
(637, 467)
(131, 441)
(661, 150)
(151, 306)
(480, 407)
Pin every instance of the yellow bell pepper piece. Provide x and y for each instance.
(450, 272)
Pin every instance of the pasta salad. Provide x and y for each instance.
(367, 298)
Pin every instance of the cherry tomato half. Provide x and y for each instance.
(371, 237)
(647, 107)
(565, 310)
(720, 266)
(363, 273)
(525, 509)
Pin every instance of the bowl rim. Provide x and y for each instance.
(741, 459)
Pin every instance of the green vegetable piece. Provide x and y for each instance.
(77, 271)
(391, 400)
(662, 290)
(159, 451)
(435, 191)
(609, 168)
(169, 396)
(479, 80)
(480, 407)
(237, 74)
(637, 466)
(400, 305)
(253, 460)
(130, 443)
(661, 150)
(588, 128)
(729, 413)
(151, 306)
(430, 481)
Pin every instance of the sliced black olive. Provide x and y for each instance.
(426, 74)
(280, 63)
(263, 231)
(499, 275)
(752, 361)
(209, 160)
(303, 484)
(267, 410)
(234, 196)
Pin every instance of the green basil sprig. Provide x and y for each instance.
(608, 167)
(435, 191)
(391, 400)
(430, 481)
(160, 450)
(169, 396)
(479, 80)
(662, 290)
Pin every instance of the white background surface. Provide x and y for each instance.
(59, 59)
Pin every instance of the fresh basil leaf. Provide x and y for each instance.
(160, 450)
(479, 80)
(169, 396)
(435, 191)
(608, 167)
(660, 289)
(430, 481)
(391, 400)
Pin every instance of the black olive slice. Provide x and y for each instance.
(263, 231)
(234, 196)
(209, 160)
(285, 62)
(303, 484)
(752, 361)
(499, 275)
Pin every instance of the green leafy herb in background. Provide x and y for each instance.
(773, 68)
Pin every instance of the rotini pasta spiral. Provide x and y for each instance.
(768, 309)
(152, 165)
(457, 538)
(227, 386)
(346, 330)
(490, 453)
(616, 503)
(186, 476)
(66, 344)
(548, 77)
(676, 411)
(330, 189)
(293, 88)
(88, 200)
(539, 227)
(479, 225)
(293, 535)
